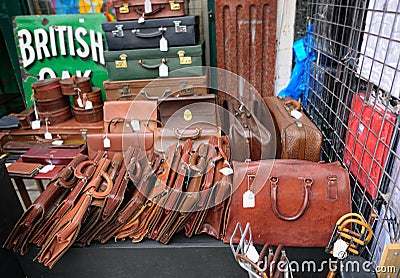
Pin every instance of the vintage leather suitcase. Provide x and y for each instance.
(370, 129)
(57, 156)
(296, 138)
(134, 9)
(155, 88)
(189, 111)
(290, 202)
(164, 138)
(181, 61)
(177, 31)
(130, 116)
(119, 142)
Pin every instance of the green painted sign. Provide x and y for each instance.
(60, 46)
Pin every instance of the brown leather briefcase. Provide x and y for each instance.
(134, 9)
(290, 202)
(297, 138)
(155, 88)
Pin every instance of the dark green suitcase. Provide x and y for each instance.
(184, 61)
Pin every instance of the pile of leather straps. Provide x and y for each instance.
(133, 195)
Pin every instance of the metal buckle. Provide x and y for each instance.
(179, 28)
(184, 60)
(119, 32)
(124, 9)
(121, 64)
(174, 6)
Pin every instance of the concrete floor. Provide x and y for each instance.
(31, 188)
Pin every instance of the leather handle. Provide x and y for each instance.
(274, 199)
(147, 96)
(184, 135)
(109, 181)
(140, 10)
(242, 258)
(294, 103)
(149, 35)
(78, 172)
(143, 64)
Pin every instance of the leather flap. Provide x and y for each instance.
(130, 109)
(118, 141)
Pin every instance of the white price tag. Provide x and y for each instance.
(147, 6)
(296, 114)
(35, 124)
(88, 105)
(141, 19)
(106, 143)
(249, 199)
(135, 125)
(79, 102)
(163, 70)
(340, 249)
(47, 169)
(226, 171)
(252, 254)
(163, 44)
(57, 142)
(48, 136)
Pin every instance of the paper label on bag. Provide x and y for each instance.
(249, 200)
(106, 143)
(252, 253)
(163, 70)
(147, 6)
(226, 171)
(135, 125)
(88, 105)
(57, 142)
(35, 124)
(141, 19)
(47, 169)
(340, 249)
(48, 136)
(163, 44)
(296, 114)
(79, 102)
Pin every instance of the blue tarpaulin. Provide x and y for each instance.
(298, 84)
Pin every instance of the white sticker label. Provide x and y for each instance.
(47, 169)
(141, 19)
(106, 143)
(35, 124)
(79, 102)
(88, 105)
(163, 70)
(163, 44)
(57, 142)
(147, 6)
(252, 254)
(135, 124)
(361, 128)
(296, 114)
(48, 136)
(249, 200)
(226, 171)
(340, 249)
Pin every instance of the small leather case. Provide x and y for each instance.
(25, 169)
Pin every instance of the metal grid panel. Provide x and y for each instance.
(353, 82)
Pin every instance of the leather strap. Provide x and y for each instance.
(274, 199)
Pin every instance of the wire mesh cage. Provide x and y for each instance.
(353, 97)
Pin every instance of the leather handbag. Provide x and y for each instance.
(130, 116)
(297, 136)
(289, 202)
(119, 142)
(249, 125)
(155, 88)
(182, 61)
(164, 138)
(134, 9)
(177, 31)
(33, 217)
(191, 111)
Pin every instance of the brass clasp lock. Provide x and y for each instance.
(121, 64)
(185, 89)
(174, 6)
(187, 115)
(184, 60)
(119, 32)
(125, 90)
(124, 9)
